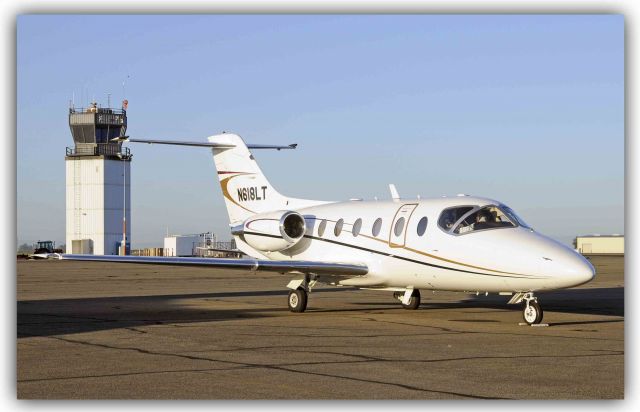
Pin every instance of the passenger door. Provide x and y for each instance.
(398, 230)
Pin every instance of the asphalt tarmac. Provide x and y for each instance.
(118, 331)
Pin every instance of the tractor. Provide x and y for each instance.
(46, 246)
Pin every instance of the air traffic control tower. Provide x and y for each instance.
(98, 176)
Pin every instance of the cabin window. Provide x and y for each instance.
(451, 215)
(377, 225)
(355, 229)
(422, 226)
(321, 227)
(338, 228)
(488, 217)
(397, 229)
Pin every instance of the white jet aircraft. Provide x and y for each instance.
(459, 243)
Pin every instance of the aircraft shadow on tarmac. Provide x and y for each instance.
(69, 316)
(594, 301)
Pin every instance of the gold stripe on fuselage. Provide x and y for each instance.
(419, 252)
(225, 192)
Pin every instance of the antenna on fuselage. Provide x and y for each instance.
(394, 192)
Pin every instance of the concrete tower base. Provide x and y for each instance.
(98, 195)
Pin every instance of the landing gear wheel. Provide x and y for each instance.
(297, 300)
(532, 313)
(414, 302)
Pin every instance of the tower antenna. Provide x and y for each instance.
(124, 93)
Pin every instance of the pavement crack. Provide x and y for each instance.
(113, 375)
(466, 358)
(398, 385)
(487, 332)
(361, 359)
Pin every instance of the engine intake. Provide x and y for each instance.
(292, 226)
(274, 231)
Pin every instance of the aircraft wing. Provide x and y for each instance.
(254, 265)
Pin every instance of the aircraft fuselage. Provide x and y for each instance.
(402, 255)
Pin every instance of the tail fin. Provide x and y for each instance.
(245, 188)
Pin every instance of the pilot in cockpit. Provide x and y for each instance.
(484, 220)
(449, 219)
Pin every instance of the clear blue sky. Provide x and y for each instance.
(525, 109)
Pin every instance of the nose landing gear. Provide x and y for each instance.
(532, 312)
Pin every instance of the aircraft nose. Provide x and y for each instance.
(564, 265)
(588, 271)
(578, 269)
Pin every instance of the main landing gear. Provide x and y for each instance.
(297, 300)
(299, 293)
(532, 312)
(410, 298)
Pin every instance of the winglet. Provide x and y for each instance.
(394, 192)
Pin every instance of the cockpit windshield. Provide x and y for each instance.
(451, 215)
(466, 219)
(513, 216)
(488, 217)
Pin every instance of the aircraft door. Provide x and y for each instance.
(398, 230)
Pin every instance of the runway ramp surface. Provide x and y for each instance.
(117, 331)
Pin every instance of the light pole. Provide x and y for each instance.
(123, 245)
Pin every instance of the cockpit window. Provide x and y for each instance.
(513, 216)
(451, 215)
(488, 217)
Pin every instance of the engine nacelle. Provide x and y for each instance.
(273, 231)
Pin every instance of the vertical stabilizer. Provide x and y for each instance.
(245, 189)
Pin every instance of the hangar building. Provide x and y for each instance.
(186, 245)
(600, 244)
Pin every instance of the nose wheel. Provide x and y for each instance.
(532, 312)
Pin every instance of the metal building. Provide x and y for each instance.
(186, 245)
(600, 244)
(201, 244)
(98, 176)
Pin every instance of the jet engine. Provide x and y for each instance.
(273, 231)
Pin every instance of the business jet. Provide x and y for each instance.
(459, 243)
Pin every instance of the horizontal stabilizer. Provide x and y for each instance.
(202, 144)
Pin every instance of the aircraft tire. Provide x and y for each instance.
(414, 302)
(297, 300)
(532, 314)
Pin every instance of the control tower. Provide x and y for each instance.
(98, 176)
